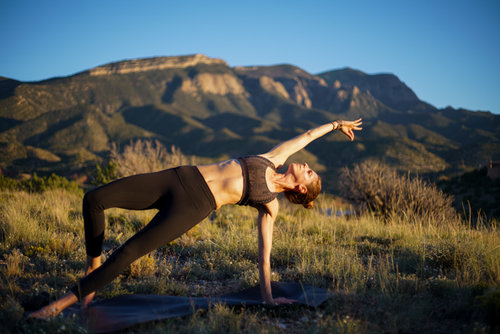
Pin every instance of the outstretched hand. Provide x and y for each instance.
(347, 127)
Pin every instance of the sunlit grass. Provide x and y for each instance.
(383, 276)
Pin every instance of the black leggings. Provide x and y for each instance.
(180, 194)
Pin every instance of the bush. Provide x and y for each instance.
(382, 190)
(37, 184)
(145, 156)
(106, 174)
(141, 156)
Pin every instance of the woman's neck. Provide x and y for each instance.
(282, 182)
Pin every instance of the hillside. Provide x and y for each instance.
(207, 108)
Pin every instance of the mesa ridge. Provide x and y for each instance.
(156, 63)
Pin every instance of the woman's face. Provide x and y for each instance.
(302, 173)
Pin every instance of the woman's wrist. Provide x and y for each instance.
(268, 300)
(336, 124)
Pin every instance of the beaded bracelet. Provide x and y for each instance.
(339, 124)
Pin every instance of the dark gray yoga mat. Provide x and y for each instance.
(127, 310)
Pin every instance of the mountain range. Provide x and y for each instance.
(207, 108)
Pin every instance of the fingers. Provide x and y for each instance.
(354, 125)
(288, 302)
(282, 300)
(357, 123)
(347, 128)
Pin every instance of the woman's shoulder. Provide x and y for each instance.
(258, 160)
(269, 157)
(271, 208)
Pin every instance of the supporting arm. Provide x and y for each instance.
(265, 221)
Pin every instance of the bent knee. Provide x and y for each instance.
(91, 199)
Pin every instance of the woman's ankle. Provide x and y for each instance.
(93, 263)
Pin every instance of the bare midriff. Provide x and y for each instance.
(225, 180)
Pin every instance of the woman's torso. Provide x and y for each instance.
(225, 180)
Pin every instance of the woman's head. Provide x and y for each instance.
(308, 187)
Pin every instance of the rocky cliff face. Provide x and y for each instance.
(273, 87)
(212, 83)
(286, 81)
(385, 87)
(150, 64)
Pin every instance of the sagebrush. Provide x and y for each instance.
(144, 156)
(389, 194)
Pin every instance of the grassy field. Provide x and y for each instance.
(383, 276)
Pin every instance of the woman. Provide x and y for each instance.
(186, 195)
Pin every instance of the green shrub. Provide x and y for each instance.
(106, 174)
(382, 190)
(37, 184)
(7, 183)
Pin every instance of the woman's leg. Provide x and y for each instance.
(138, 192)
(163, 228)
(186, 202)
(168, 224)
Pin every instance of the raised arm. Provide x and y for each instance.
(280, 153)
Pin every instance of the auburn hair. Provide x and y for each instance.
(307, 198)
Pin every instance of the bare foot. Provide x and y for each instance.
(45, 312)
(54, 308)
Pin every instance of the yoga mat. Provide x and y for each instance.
(127, 310)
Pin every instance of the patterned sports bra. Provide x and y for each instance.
(255, 190)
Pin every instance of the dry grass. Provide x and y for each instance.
(14, 264)
(38, 219)
(408, 265)
(399, 269)
(144, 267)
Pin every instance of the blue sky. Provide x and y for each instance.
(447, 51)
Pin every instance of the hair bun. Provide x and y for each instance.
(309, 205)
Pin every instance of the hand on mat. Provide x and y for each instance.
(283, 300)
(87, 299)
